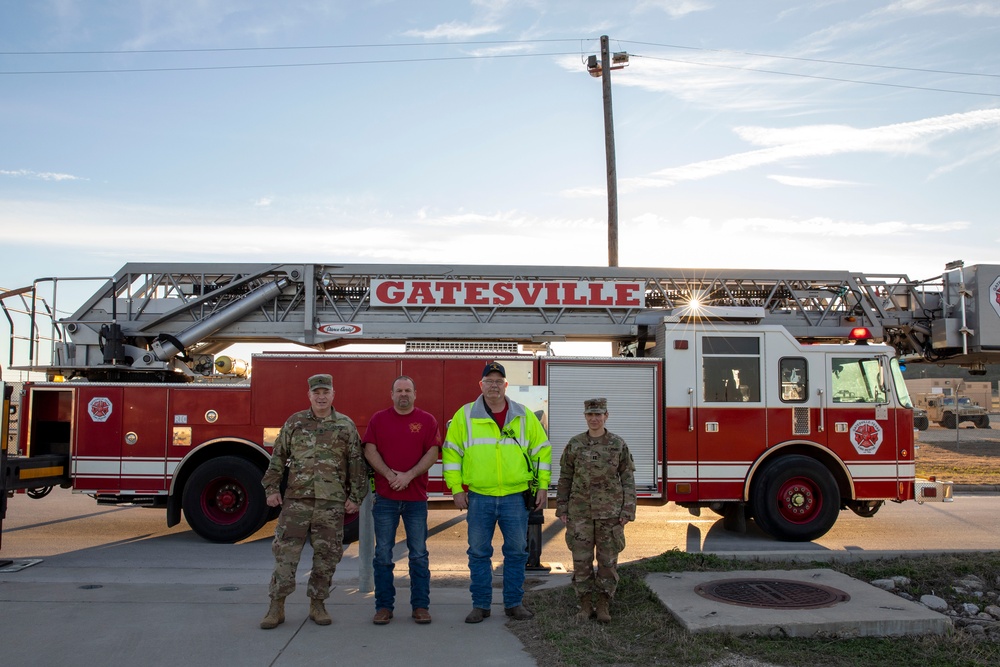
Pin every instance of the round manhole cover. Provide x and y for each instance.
(771, 593)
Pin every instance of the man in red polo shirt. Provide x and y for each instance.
(401, 444)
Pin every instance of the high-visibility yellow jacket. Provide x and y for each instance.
(492, 462)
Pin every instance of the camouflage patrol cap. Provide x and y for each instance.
(322, 381)
(595, 405)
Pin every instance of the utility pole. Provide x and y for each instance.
(603, 69)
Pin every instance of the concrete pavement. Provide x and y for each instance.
(123, 590)
(54, 615)
(116, 623)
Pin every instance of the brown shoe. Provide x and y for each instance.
(477, 615)
(275, 615)
(519, 613)
(318, 613)
(586, 609)
(421, 615)
(382, 617)
(603, 609)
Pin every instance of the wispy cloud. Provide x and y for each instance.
(828, 227)
(39, 175)
(895, 12)
(340, 230)
(791, 243)
(988, 151)
(502, 50)
(455, 30)
(802, 182)
(673, 8)
(767, 229)
(720, 81)
(784, 145)
(931, 7)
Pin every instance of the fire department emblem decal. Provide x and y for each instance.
(99, 409)
(995, 296)
(866, 436)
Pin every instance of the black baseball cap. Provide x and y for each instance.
(494, 367)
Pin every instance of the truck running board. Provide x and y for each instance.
(139, 501)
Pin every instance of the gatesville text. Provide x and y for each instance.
(508, 293)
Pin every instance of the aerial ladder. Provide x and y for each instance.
(166, 321)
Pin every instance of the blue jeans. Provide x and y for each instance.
(386, 514)
(485, 514)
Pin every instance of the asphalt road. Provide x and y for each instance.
(938, 434)
(74, 532)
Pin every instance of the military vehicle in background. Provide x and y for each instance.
(941, 409)
(920, 420)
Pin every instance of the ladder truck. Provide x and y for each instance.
(771, 396)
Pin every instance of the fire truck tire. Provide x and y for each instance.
(224, 500)
(795, 499)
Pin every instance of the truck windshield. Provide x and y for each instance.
(857, 381)
(897, 381)
(961, 401)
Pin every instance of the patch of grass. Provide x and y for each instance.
(642, 632)
(975, 462)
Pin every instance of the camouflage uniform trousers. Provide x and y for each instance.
(322, 523)
(607, 538)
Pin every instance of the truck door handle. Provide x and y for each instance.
(690, 409)
(822, 412)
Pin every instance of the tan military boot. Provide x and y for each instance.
(317, 612)
(275, 614)
(586, 608)
(603, 608)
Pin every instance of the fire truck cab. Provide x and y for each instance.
(759, 425)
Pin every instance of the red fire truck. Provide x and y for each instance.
(758, 395)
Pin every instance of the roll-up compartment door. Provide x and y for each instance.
(631, 387)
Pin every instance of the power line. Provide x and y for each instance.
(816, 76)
(815, 60)
(289, 48)
(493, 42)
(280, 65)
(485, 56)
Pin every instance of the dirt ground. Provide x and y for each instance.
(970, 456)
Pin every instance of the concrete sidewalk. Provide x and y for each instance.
(169, 624)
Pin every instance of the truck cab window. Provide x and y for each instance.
(794, 385)
(731, 369)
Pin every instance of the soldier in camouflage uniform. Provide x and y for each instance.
(596, 498)
(327, 475)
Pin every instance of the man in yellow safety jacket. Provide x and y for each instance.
(498, 449)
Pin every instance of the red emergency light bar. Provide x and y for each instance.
(860, 333)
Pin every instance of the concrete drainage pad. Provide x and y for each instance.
(792, 603)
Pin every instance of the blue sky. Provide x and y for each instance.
(856, 135)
